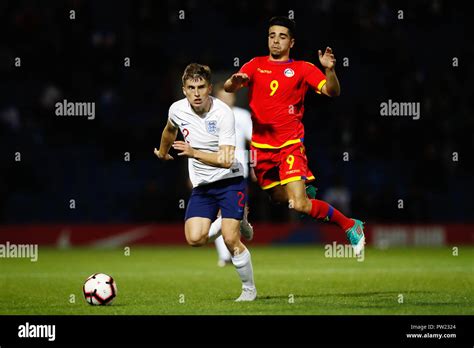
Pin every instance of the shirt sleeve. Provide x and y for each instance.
(248, 68)
(172, 117)
(314, 77)
(227, 128)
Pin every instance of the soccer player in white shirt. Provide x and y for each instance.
(208, 128)
(243, 133)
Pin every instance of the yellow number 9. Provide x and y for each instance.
(273, 87)
(290, 160)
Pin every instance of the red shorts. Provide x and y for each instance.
(280, 166)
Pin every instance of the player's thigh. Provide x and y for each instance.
(196, 230)
(202, 209)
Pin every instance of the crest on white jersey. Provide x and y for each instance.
(289, 72)
(211, 127)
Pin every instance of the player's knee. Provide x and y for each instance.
(195, 239)
(299, 205)
(195, 242)
(231, 241)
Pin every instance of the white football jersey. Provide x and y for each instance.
(243, 134)
(206, 133)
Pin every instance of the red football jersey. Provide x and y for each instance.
(276, 99)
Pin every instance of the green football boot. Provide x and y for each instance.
(355, 236)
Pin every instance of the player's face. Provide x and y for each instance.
(279, 41)
(197, 92)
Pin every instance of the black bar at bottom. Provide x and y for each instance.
(228, 330)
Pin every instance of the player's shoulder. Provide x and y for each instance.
(179, 105)
(261, 58)
(257, 60)
(304, 64)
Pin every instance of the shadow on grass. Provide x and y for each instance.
(349, 294)
(380, 299)
(376, 293)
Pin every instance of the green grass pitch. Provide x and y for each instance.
(290, 280)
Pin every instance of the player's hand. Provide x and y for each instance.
(184, 147)
(327, 59)
(162, 157)
(239, 78)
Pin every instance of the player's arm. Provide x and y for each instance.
(331, 88)
(167, 138)
(236, 82)
(242, 78)
(222, 158)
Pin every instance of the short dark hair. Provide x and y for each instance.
(284, 22)
(196, 71)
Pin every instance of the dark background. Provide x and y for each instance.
(391, 158)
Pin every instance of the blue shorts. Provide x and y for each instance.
(229, 195)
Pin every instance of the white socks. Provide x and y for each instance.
(243, 265)
(222, 251)
(242, 261)
(215, 229)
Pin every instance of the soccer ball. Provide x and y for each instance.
(99, 289)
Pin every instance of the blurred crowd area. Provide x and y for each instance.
(407, 59)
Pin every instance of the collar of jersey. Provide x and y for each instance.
(291, 60)
(204, 115)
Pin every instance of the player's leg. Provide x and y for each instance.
(223, 254)
(215, 229)
(240, 258)
(297, 198)
(293, 172)
(215, 234)
(318, 209)
(232, 202)
(201, 211)
(279, 194)
(196, 230)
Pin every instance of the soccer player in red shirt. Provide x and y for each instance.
(277, 87)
